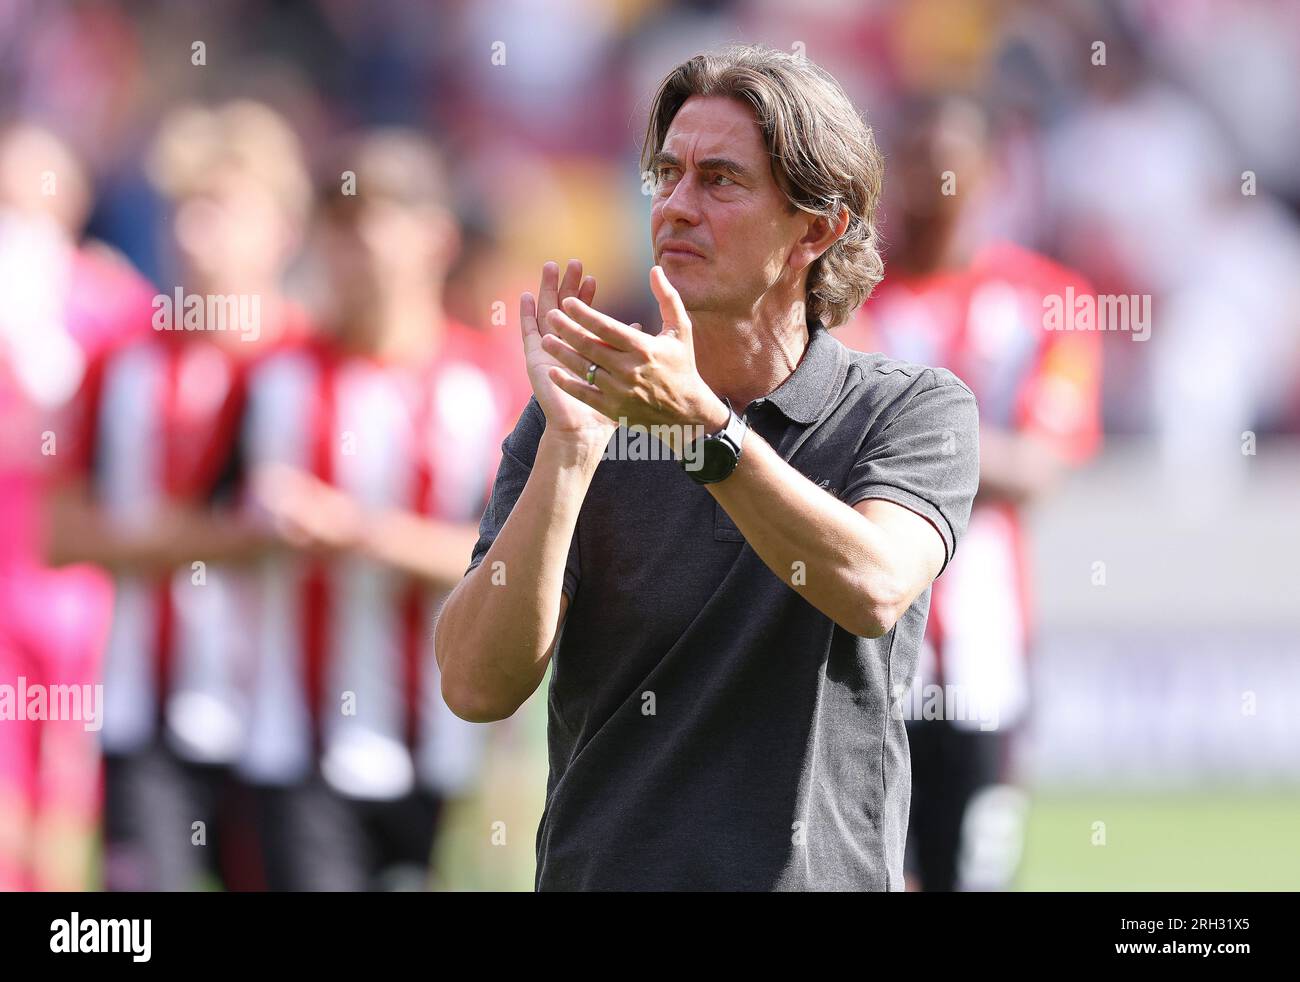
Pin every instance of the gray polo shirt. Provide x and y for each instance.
(708, 728)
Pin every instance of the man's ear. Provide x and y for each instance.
(820, 233)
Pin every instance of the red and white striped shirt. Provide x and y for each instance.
(345, 672)
(157, 418)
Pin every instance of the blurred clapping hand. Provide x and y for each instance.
(304, 512)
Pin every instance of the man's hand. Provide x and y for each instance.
(565, 416)
(644, 379)
(305, 512)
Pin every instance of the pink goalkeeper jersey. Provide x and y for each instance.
(56, 618)
(66, 308)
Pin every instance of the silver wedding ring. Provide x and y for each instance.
(591, 374)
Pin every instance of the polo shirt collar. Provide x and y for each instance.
(804, 395)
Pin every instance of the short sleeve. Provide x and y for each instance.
(925, 457)
(518, 452)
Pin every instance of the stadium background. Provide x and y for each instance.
(1138, 720)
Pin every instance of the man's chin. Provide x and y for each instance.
(695, 286)
(685, 277)
(683, 270)
(693, 298)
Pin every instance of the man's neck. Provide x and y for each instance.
(406, 330)
(746, 359)
(260, 296)
(933, 246)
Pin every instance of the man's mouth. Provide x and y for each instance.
(676, 252)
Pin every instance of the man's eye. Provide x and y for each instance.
(667, 173)
(719, 178)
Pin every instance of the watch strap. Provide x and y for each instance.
(732, 436)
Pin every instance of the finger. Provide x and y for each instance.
(579, 389)
(560, 350)
(613, 332)
(588, 346)
(671, 308)
(547, 293)
(572, 279)
(528, 316)
(587, 292)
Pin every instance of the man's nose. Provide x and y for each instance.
(683, 204)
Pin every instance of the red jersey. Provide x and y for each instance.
(986, 324)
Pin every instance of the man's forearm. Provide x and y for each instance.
(831, 555)
(79, 532)
(431, 550)
(498, 628)
(1017, 467)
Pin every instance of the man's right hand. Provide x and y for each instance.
(566, 417)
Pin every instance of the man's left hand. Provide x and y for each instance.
(640, 378)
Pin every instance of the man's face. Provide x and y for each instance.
(234, 234)
(721, 227)
(380, 252)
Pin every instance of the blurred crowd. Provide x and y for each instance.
(371, 187)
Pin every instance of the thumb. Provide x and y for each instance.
(671, 308)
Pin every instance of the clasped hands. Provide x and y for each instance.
(639, 378)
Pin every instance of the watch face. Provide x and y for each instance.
(717, 461)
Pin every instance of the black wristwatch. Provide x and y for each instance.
(719, 453)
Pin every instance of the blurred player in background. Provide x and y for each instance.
(157, 418)
(65, 304)
(373, 450)
(978, 309)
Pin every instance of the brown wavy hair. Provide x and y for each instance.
(824, 156)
